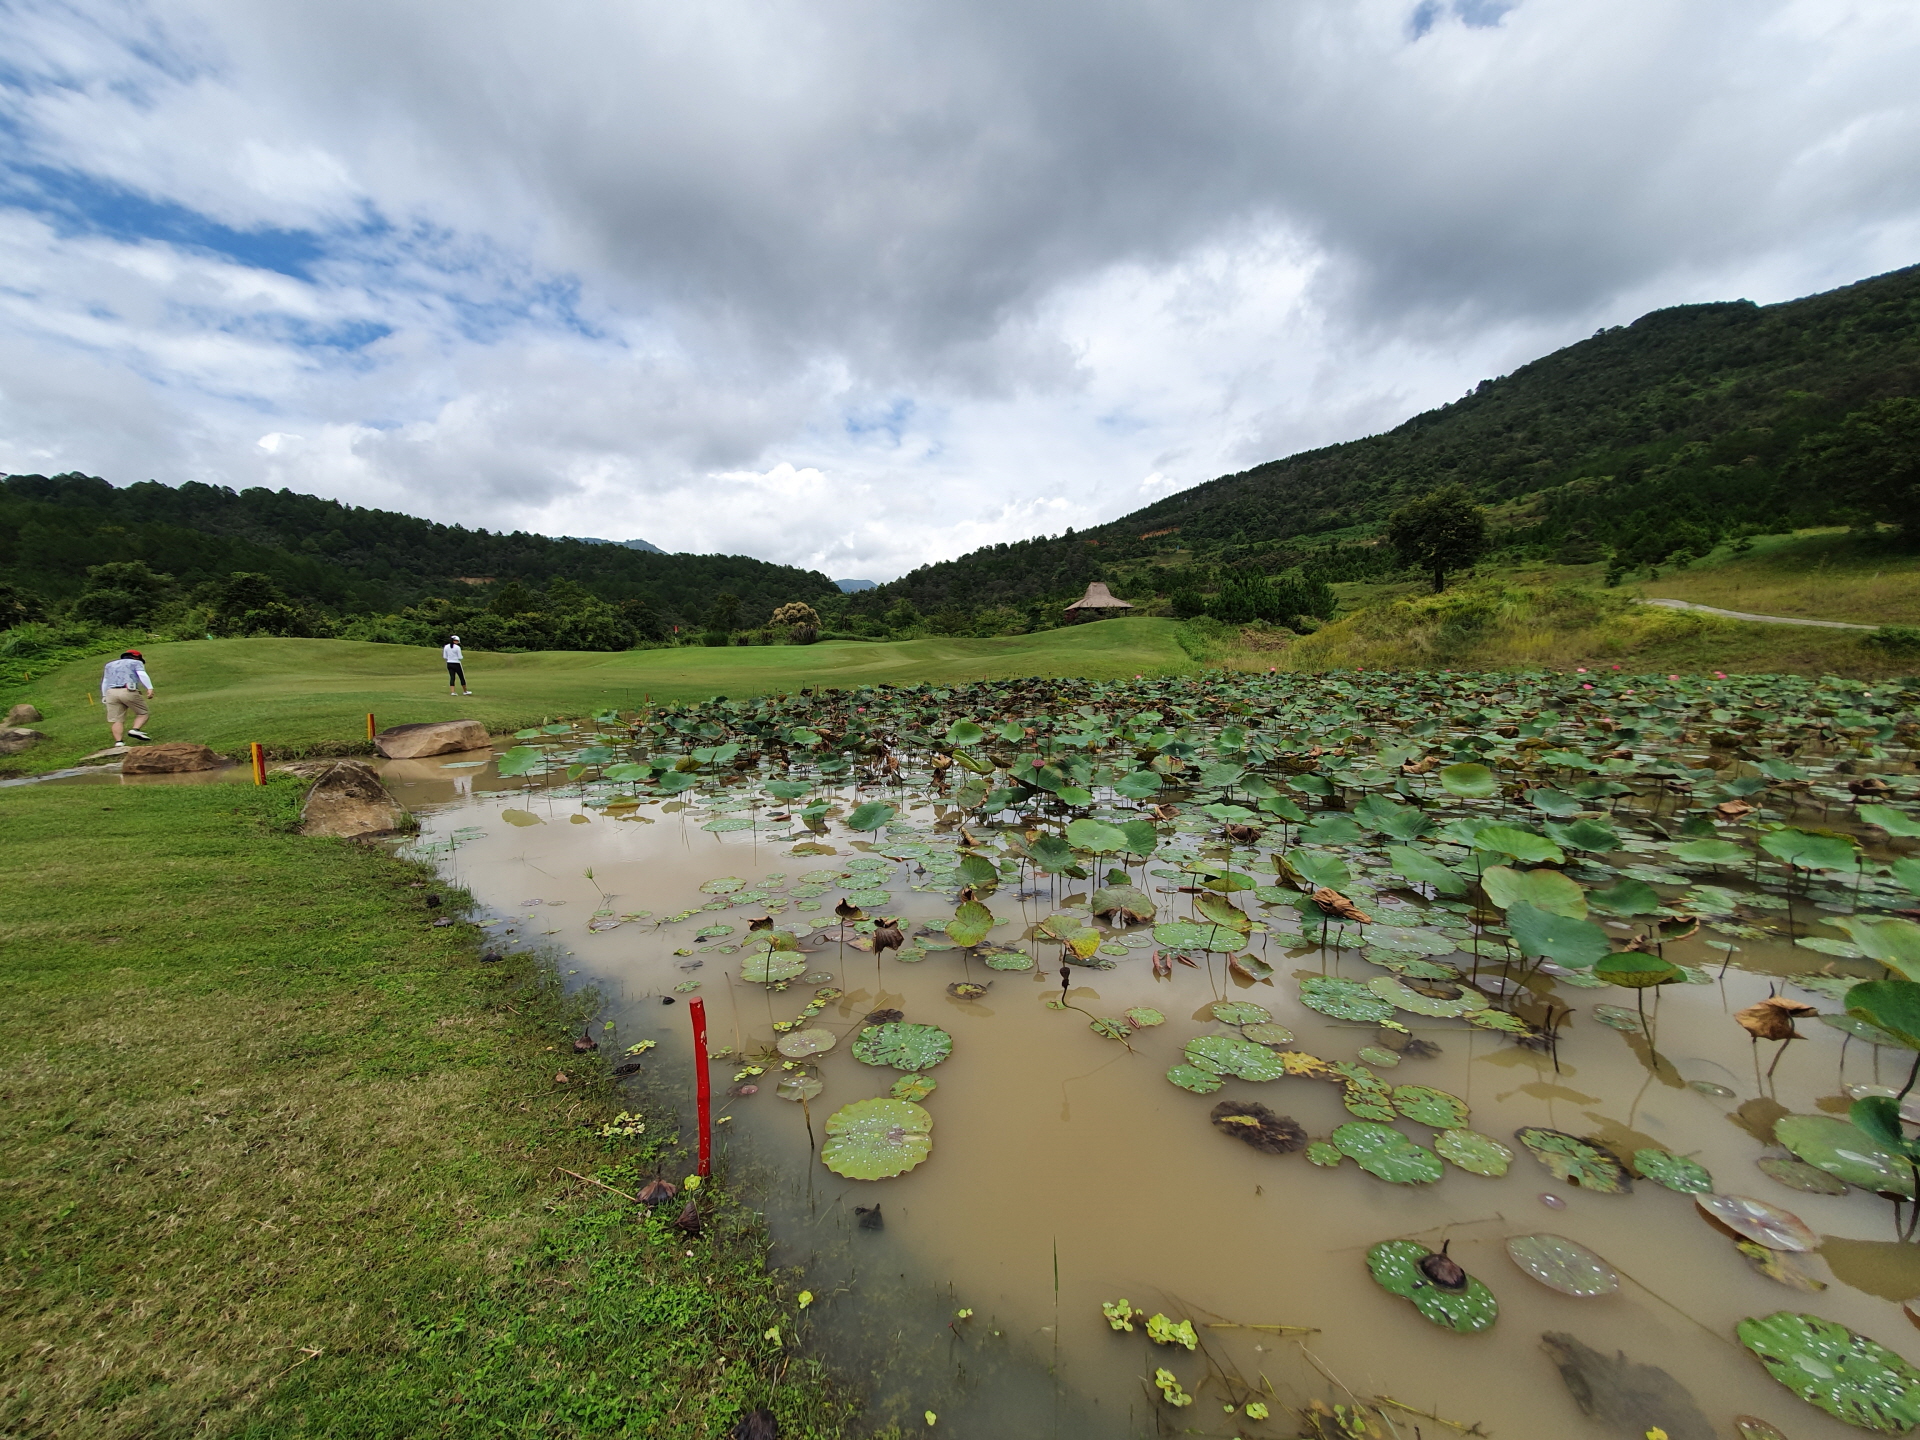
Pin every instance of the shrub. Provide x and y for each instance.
(1896, 639)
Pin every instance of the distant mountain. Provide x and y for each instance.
(850, 587)
(1645, 440)
(345, 560)
(645, 545)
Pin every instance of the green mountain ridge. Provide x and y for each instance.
(1688, 424)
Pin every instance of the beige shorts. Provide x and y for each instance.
(121, 702)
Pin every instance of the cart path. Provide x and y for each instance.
(1762, 619)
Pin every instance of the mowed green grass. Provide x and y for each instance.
(297, 695)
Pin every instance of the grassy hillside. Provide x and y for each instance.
(1821, 575)
(298, 694)
(1671, 433)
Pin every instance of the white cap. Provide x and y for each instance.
(456, 637)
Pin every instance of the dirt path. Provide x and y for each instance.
(1762, 619)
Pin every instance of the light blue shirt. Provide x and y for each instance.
(128, 674)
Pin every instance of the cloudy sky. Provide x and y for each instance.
(858, 284)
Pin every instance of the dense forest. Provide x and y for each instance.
(1645, 443)
(204, 559)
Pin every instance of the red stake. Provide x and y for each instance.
(259, 763)
(703, 1088)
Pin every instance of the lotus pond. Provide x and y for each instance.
(1372, 1055)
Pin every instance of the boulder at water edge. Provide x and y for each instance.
(348, 800)
(24, 714)
(169, 757)
(13, 739)
(433, 737)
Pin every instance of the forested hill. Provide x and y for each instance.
(343, 559)
(1680, 427)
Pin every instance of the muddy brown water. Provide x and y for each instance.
(1067, 1171)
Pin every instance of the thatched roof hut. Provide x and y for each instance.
(1098, 597)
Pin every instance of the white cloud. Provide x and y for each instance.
(863, 286)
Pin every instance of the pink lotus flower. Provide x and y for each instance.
(1586, 687)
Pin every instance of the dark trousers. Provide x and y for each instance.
(456, 675)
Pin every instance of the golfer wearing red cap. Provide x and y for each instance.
(120, 686)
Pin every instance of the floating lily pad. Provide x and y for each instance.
(772, 966)
(1676, 1172)
(967, 990)
(1473, 1152)
(1008, 960)
(1395, 1267)
(1843, 1373)
(1197, 935)
(1230, 1055)
(1384, 1151)
(1756, 1220)
(1241, 1012)
(1267, 1034)
(798, 1087)
(728, 823)
(1506, 1024)
(1578, 1162)
(913, 1087)
(1191, 1077)
(725, 885)
(801, 1044)
(1344, 999)
(1428, 1106)
(903, 1046)
(1844, 1151)
(1779, 1266)
(1374, 1055)
(1799, 1175)
(870, 899)
(1324, 1154)
(1434, 998)
(1619, 1017)
(1560, 1264)
(1413, 967)
(1143, 1016)
(876, 1139)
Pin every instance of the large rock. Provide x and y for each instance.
(433, 737)
(24, 714)
(349, 800)
(170, 757)
(13, 740)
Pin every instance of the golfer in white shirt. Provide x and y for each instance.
(456, 672)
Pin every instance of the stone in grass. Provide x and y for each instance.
(170, 757)
(348, 800)
(432, 737)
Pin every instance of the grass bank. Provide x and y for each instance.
(312, 696)
(1496, 624)
(282, 1158)
(1815, 574)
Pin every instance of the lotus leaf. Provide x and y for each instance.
(1384, 1151)
(970, 923)
(727, 823)
(1344, 999)
(1799, 1175)
(1844, 1151)
(1230, 1055)
(1264, 1034)
(1804, 851)
(1372, 1055)
(1894, 822)
(1413, 942)
(1889, 1005)
(1427, 1106)
(1625, 897)
(1676, 1172)
(770, 967)
(1324, 1154)
(1522, 845)
(1468, 780)
(1756, 1220)
(1395, 1267)
(1578, 1162)
(1142, 1017)
(903, 1046)
(1224, 912)
(1191, 1077)
(1196, 935)
(1543, 889)
(725, 885)
(1008, 960)
(1618, 1017)
(1559, 1264)
(799, 1087)
(1576, 944)
(1596, 837)
(1312, 1067)
(1718, 853)
(1316, 868)
(876, 1139)
(1240, 1012)
(872, 815)
(1637, 970)
(869, 899)
(1473, 1152)
(800, 1044)
(1121, 900)
(1435, 998)
(1843, 1373)
(1778, 1266)
(1421, 869)
(1853, 1025)
(1411, 968)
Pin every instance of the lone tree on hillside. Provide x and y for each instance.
(1441, 531)
(803, 619)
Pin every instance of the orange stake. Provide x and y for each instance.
(369, 725)
(259, 763)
